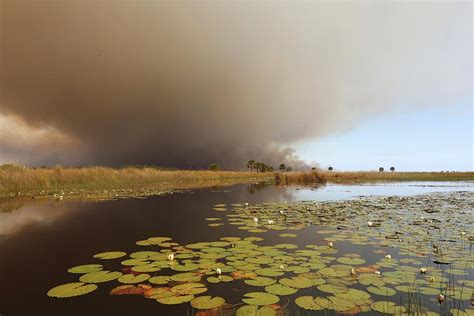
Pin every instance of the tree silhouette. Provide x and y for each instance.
(289, 169)
(282, 167)
(392, 169)
(381, 169)
(251, 164)
(330, 168)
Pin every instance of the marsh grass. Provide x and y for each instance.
(300, 177)
(373, 176)
(14, 179)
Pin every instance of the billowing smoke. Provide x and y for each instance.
(186, 83)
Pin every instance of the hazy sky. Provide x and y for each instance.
(189, 83)
(433, 139)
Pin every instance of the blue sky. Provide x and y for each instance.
(428, 139)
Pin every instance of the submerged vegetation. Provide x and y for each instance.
(390, 255)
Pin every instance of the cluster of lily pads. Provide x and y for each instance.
(422, 245)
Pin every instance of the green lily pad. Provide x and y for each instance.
(86, 268)
(174, 300)
(260, 281)
(132, 279)
(71, 289)
(260, 298)
(110, 255)
(297, 282)
(280, 289)
(269, 272)
(160, 280)
(100, 276)
(207, 302)
(382, 290)
(309, 303)
(189, 288)
(253, 310)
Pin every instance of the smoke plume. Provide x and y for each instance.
(187, 83)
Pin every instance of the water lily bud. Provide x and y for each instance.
(281, 212)
(432, 279)
(370, 224)
(377, 272)
(388, 257)
(353, 271)
(255, 219)
(246, 204)
(282, 267)
(463, 233)
(218, 271)
(441, 298)
(330, 244)
(423, 270)
(171, 256)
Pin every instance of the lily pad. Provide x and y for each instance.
(260, 298)
(100, 276)
(86, 268)
(207, 302)
(110, 255)
(71, 289)
(280, 289)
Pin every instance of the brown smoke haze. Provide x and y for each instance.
(187, 83)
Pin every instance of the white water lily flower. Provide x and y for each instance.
(330, 244)
(61, 197)
(171, 256)
(218, 271)
(270, 222)
(353, 271)
(463, 233)
(440, 298)
(255, 219)
(388, 257)
(377, 272)
(422, 270)
(281, 212)
(370, 224)
(282, 267)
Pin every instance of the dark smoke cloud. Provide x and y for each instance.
(188, 83)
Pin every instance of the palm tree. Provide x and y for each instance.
(381, 169)
(251, 164)
(392, 169)
(282, 167)
(330, 168)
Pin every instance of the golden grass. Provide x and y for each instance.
(300, 177)
(18, 178)
(14, 179)
(373, 176)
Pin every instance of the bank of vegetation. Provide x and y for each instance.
(15, 179)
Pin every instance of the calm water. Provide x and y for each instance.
(39, 242)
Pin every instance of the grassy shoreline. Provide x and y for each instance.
(15, 180)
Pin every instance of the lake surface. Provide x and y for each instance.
(40, 241)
